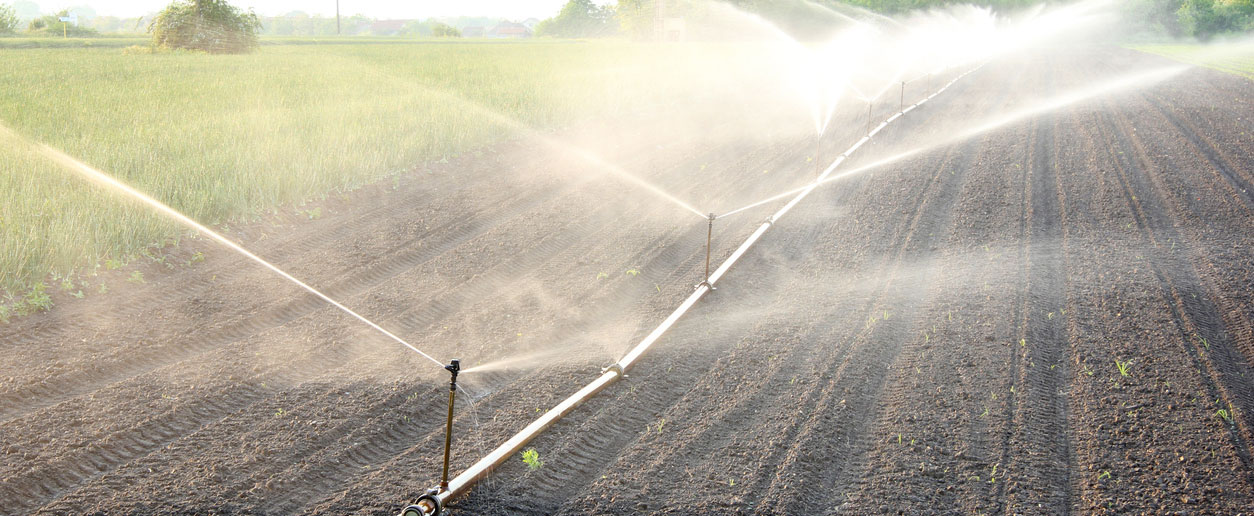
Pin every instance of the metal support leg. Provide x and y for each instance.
(709, 237)
(453, 367)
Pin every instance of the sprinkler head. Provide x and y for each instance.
(453, 367)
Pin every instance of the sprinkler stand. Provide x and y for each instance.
(709, 235)
(453, 367)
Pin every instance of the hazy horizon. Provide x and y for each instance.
(420, 9)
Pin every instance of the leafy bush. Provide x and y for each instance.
(213, 26)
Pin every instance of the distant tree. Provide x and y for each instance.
(8, 19)
(579, 19)
(635, 17)
(1204, 19)
(441, 30)
(213, 26)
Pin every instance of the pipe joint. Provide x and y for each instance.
(616, 367)
(427, 505)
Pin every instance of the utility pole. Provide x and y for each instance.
(337, 17)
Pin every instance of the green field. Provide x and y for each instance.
(1233, 59)
(223, 138)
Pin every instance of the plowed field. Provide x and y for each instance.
(941, 335)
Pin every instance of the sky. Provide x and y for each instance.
(394, 9)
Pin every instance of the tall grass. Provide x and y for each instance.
(224, 137)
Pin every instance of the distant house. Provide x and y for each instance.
(472, 32)
(530, 23)
(507, 29)
(387, 27)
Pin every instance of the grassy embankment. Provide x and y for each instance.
(1233, 59)
(223, 138)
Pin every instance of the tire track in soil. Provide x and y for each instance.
(1239, 187)
(852, 401)
(1192, 315)
(50, 481)
(58, 327)
(23, 401)
(1037, 445)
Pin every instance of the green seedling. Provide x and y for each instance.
(531, 458)
(1124, 367)
(197, 258)
(1224, 415)
(37, 298)
(1105, 475)
(280, 412)
(602, 275)
(633, 272)
(136, 277)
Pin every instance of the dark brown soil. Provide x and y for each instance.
(937, 336)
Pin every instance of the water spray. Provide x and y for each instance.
(103, 179)
(869, 105)
(432, 503)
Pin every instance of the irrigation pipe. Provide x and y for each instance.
(435, 499)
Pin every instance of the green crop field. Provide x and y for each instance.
(1233, 59)
(225, 137)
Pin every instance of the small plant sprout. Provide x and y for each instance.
(136, 277)
(633, 272)
(1225, 415)
(531, 458)
(1124, 367)
(197, 258)
(280, 413)
(661, 423)
(1023, 343)
(1104, 475)
(602, 275)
